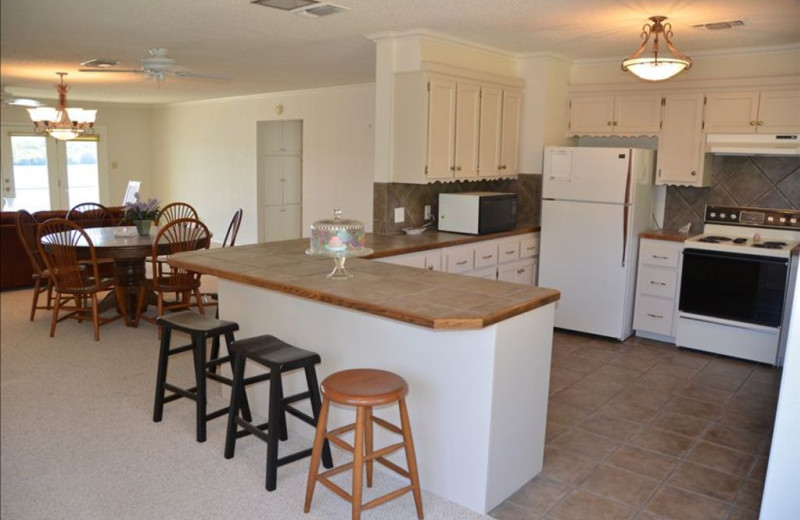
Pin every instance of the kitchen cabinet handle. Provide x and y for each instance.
(463, 262)
(429, 268)
(661, 257)
(653, 282)
(452, 168)
(520, 271)
(487, 257)
(694, 173)
(657, 316)
(509, 252)
(760, 123)
(615, 123)
(458, 168)
(610, 123)
(752, 123)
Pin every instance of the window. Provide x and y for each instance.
(41, 173)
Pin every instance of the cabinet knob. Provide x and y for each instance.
(503, 167)
(458, 168)
(760, 123)
(615, 123)
(429, 268)
(520, 271)
(752, 123)
(452, 168)
(610, 123)
(694, 173)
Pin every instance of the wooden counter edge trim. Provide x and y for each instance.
(466, 239)
(449, 323)
(667, 236)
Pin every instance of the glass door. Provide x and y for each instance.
(41, 173)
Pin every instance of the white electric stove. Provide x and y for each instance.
(736, 283)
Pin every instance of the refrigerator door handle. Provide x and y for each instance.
(625, 232)
(626, 209)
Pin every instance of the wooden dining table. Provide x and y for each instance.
(129, 251)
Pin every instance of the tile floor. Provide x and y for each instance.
(643, 430)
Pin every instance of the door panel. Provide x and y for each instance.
(441, 127)
(468, 103)
(489, 143)
(581, 248)
(596, 174)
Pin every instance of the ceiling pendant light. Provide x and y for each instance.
(655, 66)
(61, 122)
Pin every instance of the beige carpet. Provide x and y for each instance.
(78, 440)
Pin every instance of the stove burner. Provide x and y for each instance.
(770, 245)
(713, 239)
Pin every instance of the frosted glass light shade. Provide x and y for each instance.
(651, 69)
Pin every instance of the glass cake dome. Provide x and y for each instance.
(338, 238)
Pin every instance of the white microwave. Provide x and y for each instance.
(477, 212)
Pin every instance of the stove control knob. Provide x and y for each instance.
(783, 220)
(712, 214)
(722, 215)
(793, 220)
(733, 216)
(770, 219)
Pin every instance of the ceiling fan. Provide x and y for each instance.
(157, 65)
(7, 99)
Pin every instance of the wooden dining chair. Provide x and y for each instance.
(175, 211)
(89, 214)
(181, 235)
(76, 282)
(233, 229)
(27, 226)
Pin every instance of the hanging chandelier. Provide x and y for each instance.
(61, 122)
(655, 66)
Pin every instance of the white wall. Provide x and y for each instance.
(127, 138)
(205, 153)
(780, 501)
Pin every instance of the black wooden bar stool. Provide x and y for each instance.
(278, 357)
(364, 388)
(200, 328)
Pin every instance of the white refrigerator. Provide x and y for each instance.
(595, 202)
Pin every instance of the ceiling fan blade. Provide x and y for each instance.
(199, 75)
(134, 71)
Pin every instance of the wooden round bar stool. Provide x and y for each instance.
(364, 388)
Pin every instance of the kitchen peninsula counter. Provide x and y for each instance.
(476, 353)
(429, 299)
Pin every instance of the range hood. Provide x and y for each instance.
(753, 144)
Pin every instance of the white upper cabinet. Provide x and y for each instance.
(768, 112)
(681, 150)
(630, 114)
(445, 130)
(509, 136)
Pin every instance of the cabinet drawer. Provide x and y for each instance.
(658, 282)
(489, 273)
(654, 315)
(658, 255)
(460, 259)
(508, 250)
(528, 247)
(486, 255)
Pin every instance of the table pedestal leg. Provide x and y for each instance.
(129, 281)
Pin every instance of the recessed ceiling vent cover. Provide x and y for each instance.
(102, 63)
(715, 26)
(307, 8)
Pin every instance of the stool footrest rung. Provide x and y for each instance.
(218, 413)
(252, 429)
(385, 498)
(301, 415)
(178, 392)
(384, 451)
(389, 426)
(339, 442)
(294, 456)
(342, 429)
(219, 378)
(394, 467)
(178, 350)
(289, 399)
(335, 471)
(336, 489)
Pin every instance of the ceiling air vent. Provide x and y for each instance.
(716, 26)
(307, 8)
(102, 63)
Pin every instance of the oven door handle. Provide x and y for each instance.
(736, 256)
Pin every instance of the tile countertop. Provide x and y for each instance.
(426, 298)
(670, 235)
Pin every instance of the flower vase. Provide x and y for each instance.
(143, 227)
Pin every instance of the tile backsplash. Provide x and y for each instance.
(414, 198)
(753, 181)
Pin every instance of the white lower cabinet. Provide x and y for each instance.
(657, 284)
(510, 259)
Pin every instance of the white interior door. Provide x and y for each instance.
(581, 256)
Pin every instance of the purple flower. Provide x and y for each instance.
(139, 210)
